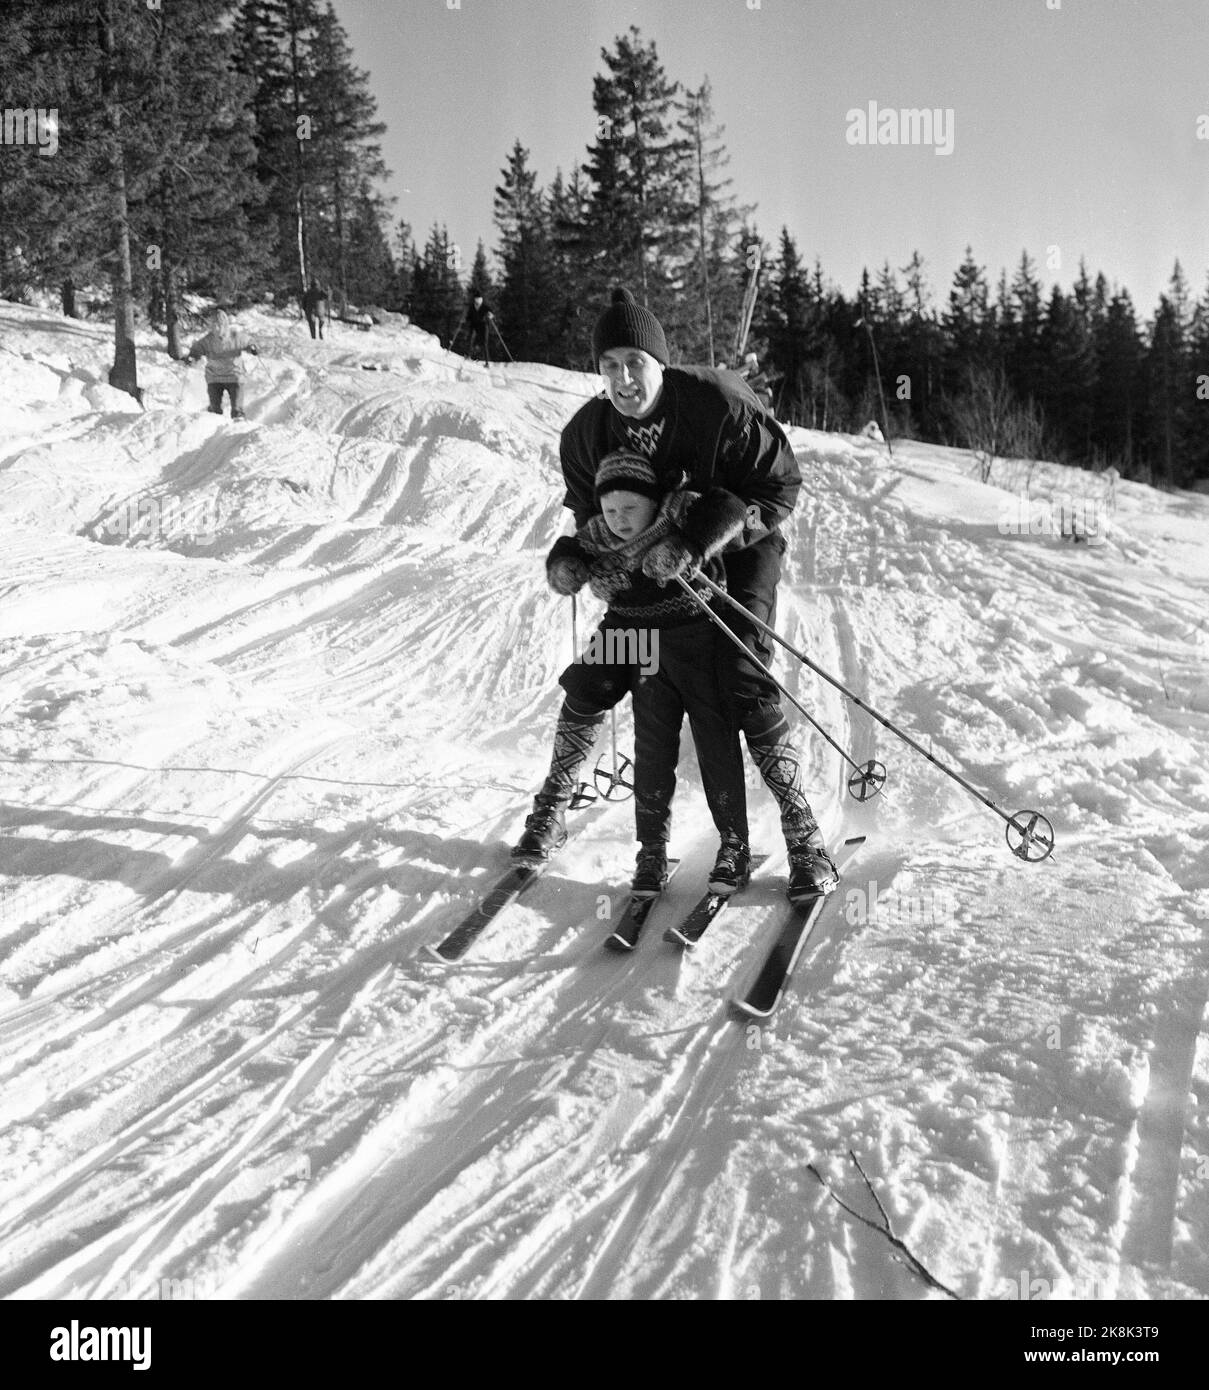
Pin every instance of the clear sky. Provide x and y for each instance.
(1074, 122)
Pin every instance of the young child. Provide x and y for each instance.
(222, 348)
(644, 616)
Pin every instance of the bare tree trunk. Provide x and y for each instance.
(299, 164)
(701, 202)
(300, 224)
(749, 309)
(640, 172)
(167, 199)
(341, 248)
(124, 374)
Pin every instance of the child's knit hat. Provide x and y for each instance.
(623, 471)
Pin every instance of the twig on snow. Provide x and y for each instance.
(882, 1226)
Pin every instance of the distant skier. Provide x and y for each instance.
(480, 320)
(222, 348)
(316, 307)
(705, 424)
(658, 647)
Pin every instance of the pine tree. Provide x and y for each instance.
(192, 225)
(371, 277)
(642, 209)
(1198, 413)
(437, 299)
(60, 213)
(528, 292)
(480, 276)
(119, 43)
(1021, 340)
(803, 321)
(1118, 388)
(345, 166)
(405, 257)
(581, 282)
(921, 351)
(1066, 354)
(719, 224)
(274, 40)
(1165, 372)
(1170, 393)
(968, 325)
(22, 182)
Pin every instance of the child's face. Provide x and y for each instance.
(627, 513)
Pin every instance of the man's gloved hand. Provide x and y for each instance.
(607, 578)
(671, 558)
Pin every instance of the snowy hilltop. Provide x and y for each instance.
(276, 698)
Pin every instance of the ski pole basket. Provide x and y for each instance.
(867, 780)
(610, 777)
(1030, 836)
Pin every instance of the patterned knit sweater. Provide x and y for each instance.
(711, 518)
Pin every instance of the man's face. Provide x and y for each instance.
(627, 513)
(633, 380)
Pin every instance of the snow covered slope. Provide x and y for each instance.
(275, 698)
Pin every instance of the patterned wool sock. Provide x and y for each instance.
(777, 757)
(574, 735)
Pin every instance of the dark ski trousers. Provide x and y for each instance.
(215, 391)
(753, 699)
(685, 681)
(478, 342)
(315, 323)
(752, 575)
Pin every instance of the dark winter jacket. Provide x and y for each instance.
(717, 435)
(477, 318)
(714, 519)
(314, 301)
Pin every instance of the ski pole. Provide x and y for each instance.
(500, 336)
(583, 795)
(867, 780)
(608, 782)
(878, 373)
(1028, 832)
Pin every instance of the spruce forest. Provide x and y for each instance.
(215, 151)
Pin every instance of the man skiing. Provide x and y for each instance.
(656, 645)
(705, 424)
(480, 319)
(222, 347)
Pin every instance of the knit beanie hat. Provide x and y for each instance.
(627, 324)
(622, 471)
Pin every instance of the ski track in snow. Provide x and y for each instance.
(259, 753)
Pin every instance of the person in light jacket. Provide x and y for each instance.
(223, 347)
